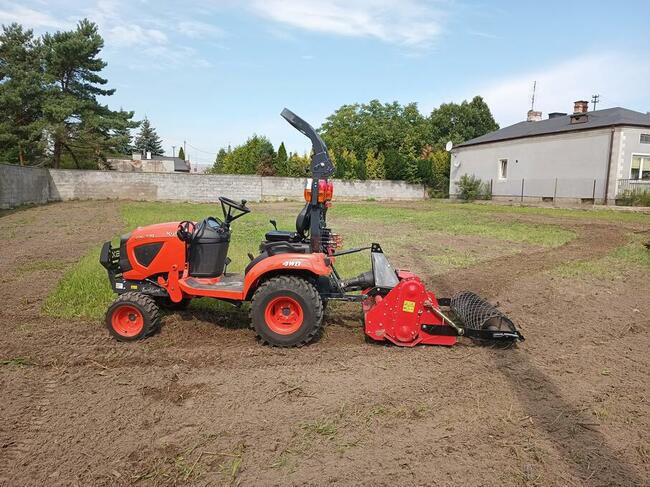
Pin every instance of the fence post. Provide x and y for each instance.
(522, 190)
(555, 192)
(491, 188)
(593, 194)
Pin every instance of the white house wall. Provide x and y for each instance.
(575, 159)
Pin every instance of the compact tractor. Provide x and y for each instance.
(289, 282)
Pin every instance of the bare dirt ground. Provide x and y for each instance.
(203, 404)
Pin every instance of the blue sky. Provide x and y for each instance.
(214, 72)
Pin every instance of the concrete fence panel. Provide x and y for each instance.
(23, 185)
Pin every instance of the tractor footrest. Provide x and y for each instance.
(227, 282)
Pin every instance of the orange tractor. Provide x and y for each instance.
(288, 282)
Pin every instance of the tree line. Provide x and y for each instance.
(51, 115)
(373, 141)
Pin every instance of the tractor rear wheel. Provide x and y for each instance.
(286, 311)
(132, 316)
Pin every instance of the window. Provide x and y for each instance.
(640, 168)
(645, 138)
(503, 169)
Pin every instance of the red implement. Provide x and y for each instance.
(400, 315)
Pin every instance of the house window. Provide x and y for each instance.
(640, 169)
(645, 139)
(503, 168)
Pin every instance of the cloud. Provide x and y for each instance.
(408, 22)
(11, 12)
(129, 35)
(617, 77)
(199, 30)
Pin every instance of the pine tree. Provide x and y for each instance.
(21, 96)
(375, 165)
(148, 140)
(181, 153)
(76, 122)
(281, 167)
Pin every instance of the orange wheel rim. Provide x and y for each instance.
(127, 321)
(284, 315)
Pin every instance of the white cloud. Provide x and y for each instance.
(618, 78)
(199, 30)
(407, 22)
(11, 12)
(129, 35)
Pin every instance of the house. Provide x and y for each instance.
(150, 163)
(588, 157)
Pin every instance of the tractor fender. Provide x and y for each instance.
(290, 263)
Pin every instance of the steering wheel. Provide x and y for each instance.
(237, 206)
(185, 230)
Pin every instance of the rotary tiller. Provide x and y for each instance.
(288, 282)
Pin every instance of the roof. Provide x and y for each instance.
(595, 119)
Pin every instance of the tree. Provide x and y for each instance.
(181, 153)
(253, 157)
(148, 140)
(75, 121)
(375, 165)
(281, 159)
(459, 123)
(21, 96)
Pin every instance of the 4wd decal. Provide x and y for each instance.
(292, 263)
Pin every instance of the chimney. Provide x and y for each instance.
(580, 106)
(556, 115)
(533, 116)
(148, 156)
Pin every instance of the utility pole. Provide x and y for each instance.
(595, 99)
(185, 149)
(173, 151)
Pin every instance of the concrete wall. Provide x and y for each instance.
(574, 160)
(23, 185)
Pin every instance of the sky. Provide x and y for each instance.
(213, 72)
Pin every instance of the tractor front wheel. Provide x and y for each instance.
(286, 311)
(132, 316)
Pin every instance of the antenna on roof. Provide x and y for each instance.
(532, 101)
(595, 99)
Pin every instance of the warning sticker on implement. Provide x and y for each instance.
(408, 306)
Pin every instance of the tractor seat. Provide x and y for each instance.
(280, 236)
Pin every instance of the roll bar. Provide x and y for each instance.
(321, 165)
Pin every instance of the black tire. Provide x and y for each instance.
(132, 307)
(168, 304)
(297, 290)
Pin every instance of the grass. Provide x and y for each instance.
(632, 255)
(84, 291)
(16, 362)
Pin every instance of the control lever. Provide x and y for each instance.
(275, 224)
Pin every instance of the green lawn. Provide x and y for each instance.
(402, 230)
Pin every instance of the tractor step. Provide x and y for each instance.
(227, 282)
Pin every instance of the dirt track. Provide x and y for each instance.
(203, 404)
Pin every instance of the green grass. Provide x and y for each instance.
(84, 290)
(632, 255)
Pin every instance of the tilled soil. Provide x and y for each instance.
(203, 404)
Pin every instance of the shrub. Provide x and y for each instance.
(471, 188)
(635, 197)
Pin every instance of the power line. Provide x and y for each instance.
(201, 150)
